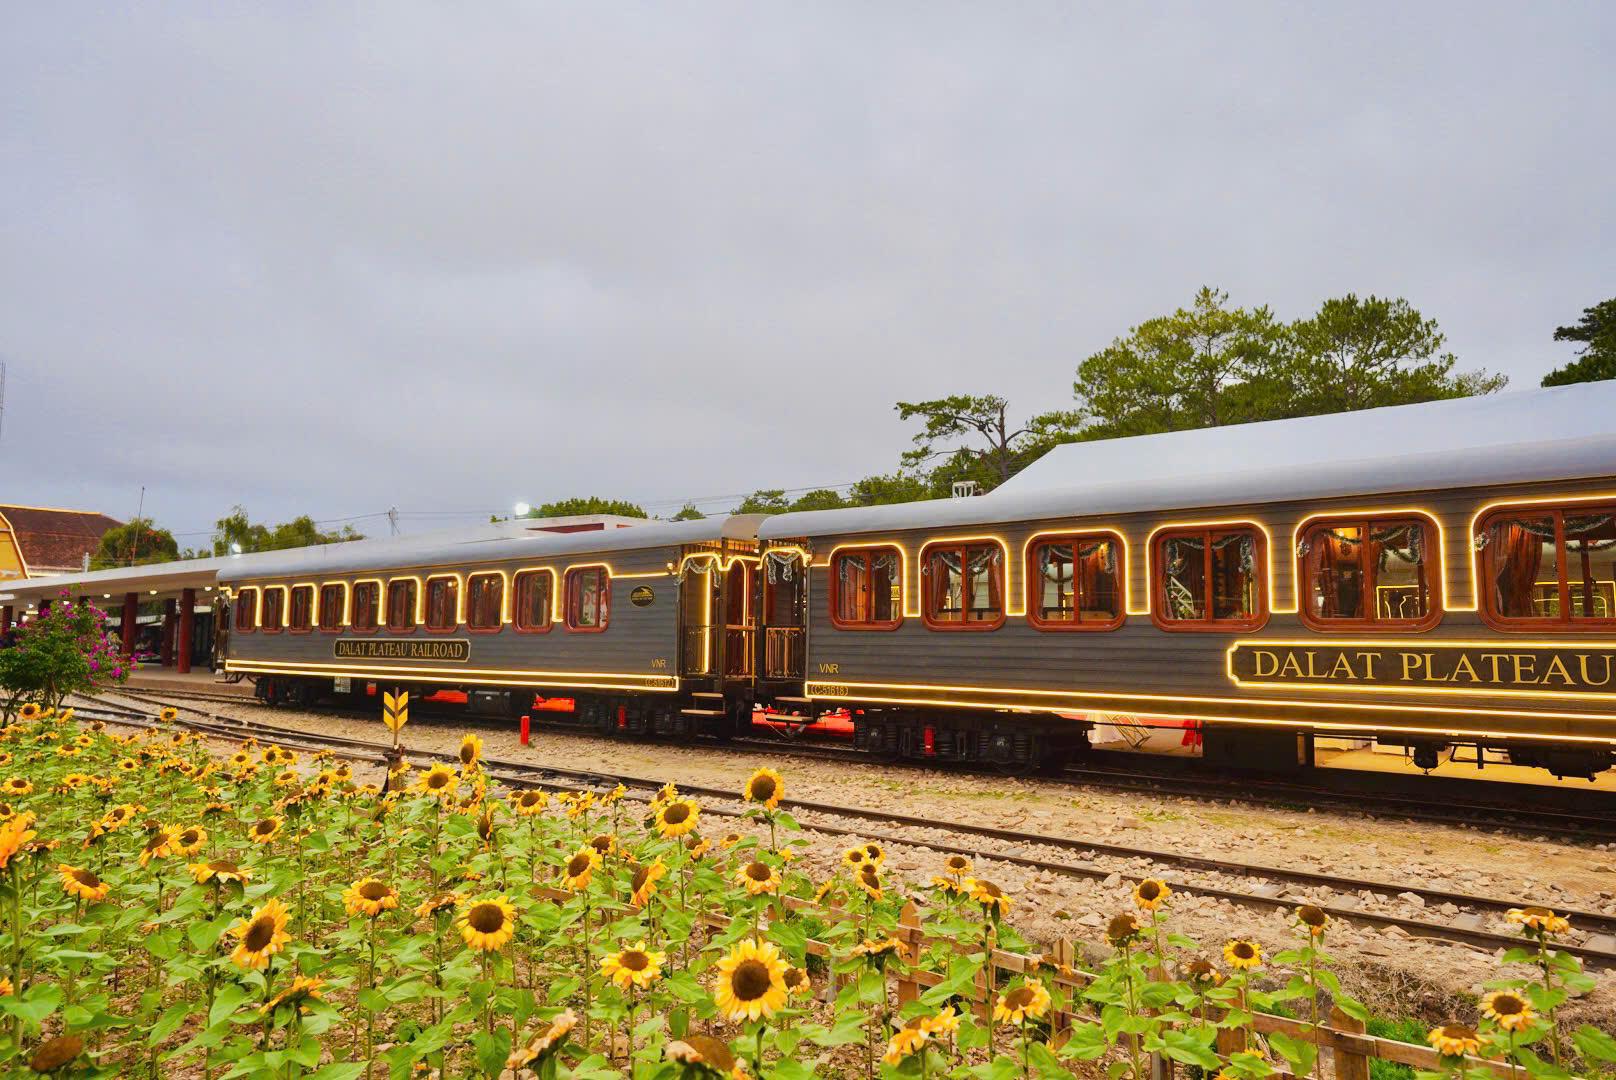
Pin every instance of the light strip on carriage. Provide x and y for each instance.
(378, 606)
(525, 675)
(1501, 645)
(1371, 516)
(1191, 699)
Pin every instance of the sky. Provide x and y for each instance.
(336, 258)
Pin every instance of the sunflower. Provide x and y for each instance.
(438, 904)
(644, 885)
(369, 897)
(29, 711)
(302, 989)
(220, 870)
(119, 816)
(993, 899)
(1242, 955)
(906, 1042)
(271, 755)
(853, 858)
(1150, 894)
(529, 802)
(946, 1022)
(958, 865)
(169, 714)
(869, 880)
(878, 951)
(16, 786)
(82, 884)
(1029, 1001)
(439, 781)
(287, 778)
(1314, 918)
(471, 751)
(764, 788)
(874, 854)
(705, 1056)
(5, 758)
(580, 868)
(759, 878)
(213, 809)
(633, 968)
(730, 840)
(488, 924)
(677, 817)
(605, 844)
(6, 989)
(265, 831)
(545, 1044)
(128, 765)
(261, 936)
(1202, 973)
(188, 841)
(1538, 919)
(1508, 1010)
(69, 750)
(696, 847)
(750, 982)
(13, 835)
(159, 845)
(796, 980)
(1454, 1040)
(1122, 929)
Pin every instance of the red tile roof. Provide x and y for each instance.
(56, 540)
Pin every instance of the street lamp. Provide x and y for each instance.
(522, 509)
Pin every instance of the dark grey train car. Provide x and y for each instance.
(595, 616)
(1429, 575)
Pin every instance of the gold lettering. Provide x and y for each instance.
(1492, 660)
(1582, 668)
(1430, 669)
(1369, 659)
(1257, 658)
(1525, 667)
(1342, 666)
(1557, 667)
(1311, 673)
(1462, 666)
(1411, 661)
(1291, 666)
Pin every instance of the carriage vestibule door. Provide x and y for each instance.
(740, 620)
(784, 584)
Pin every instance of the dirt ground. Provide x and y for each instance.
(1398, 975)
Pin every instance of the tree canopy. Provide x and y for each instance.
(236, 528)
(135, 543)
(1596, 330)
(591, 504)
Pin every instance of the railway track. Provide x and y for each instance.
(1135, 773)
(1247, 884)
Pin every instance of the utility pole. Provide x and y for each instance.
(134, 538)
(392, 519)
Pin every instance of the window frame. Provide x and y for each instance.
(1435, 574)
(1029, 569)
(342, 607)
(834, 590)
(927, 594)
(501, 616)
(236, 615)
(377, 609)
(574, 574)
(549, 600)
(1565, 624)
(286, 602)
(414, 605)
(1209, 625)
(425, 608)
(314, 597)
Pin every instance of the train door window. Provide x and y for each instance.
(866, 589)
(1209, 579)
(442, 603)
(273, 610)
(401, 604)
(785, 589)
(485, 601)
(301, 616)
(330, 614)
(589, 598)
(1553, 569)
(246, 613)
(1371, 574)
(531, 608)
(363, 601)
(963, 586)
(1075, 582)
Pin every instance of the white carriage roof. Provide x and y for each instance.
(506, 543)
(1560, 433)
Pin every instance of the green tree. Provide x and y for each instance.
(1597, 357)
(895, 487)
(587, 505)
(688, 512)
(970, 437)
(764, 501)
(1201, 366)
(236, 528)
(818, 499)
(1362, 354)
(65, 651)
(137, 543)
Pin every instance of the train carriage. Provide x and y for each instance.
(627, 623)
(1430, 576)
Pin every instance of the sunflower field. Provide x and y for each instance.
(172, 911)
